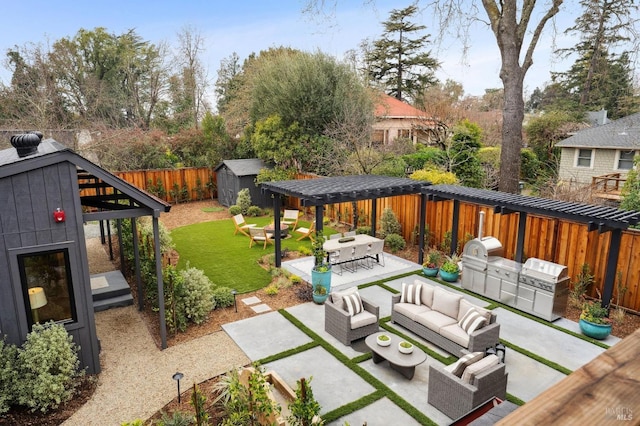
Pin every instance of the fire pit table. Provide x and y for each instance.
(284, 229)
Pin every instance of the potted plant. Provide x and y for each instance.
(321, 271)
(594, 321)
(383, 340)
(405, 347)
(450, 270)
(320, 294)
(432, 264)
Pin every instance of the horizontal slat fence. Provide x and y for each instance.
(556, 240)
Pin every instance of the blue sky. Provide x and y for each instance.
(246, 26)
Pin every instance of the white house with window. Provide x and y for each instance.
(601, 150)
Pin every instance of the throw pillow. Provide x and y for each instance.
(458, 367)
(472, 321)
(474, 370)
(353, 304)
(337, 296)
(411, 293)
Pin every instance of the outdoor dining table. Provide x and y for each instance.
(336, 244)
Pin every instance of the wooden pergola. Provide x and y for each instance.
(340, 189)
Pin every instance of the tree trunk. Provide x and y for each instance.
(513, 115)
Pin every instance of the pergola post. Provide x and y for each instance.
(158, 254)
(276, 228)
(522, 227)
(612, 263)
(454, 226)
(423, 219)
(136, 257)
(374, 215)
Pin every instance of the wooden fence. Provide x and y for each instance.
(175, 185)
(556, 240)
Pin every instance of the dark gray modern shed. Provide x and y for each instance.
(44, 270)
(234, 175)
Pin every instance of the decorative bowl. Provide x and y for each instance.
(383, 340)
(405, 347)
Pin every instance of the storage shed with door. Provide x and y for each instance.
(234, 175)
(44, 268)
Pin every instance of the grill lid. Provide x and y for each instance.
(544, 270)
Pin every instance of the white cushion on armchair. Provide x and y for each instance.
(362, 319)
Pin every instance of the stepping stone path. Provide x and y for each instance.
(256, 304)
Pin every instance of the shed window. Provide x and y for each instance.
(625, 160)
(584, 158)
(46, 283)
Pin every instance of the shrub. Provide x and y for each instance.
(234, 210)
(295, 279)
(305, 251)
(304, 409)
(222, 297)
(363, 230)
(198, 295)
(435, 176)
(395, 242)
(177, 418)
(389, 223)
(244, 200)
(8, 375)
(271, 289)
(48, 368)
(175, 315)
(254, 211)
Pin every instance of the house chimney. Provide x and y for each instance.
(26, 144)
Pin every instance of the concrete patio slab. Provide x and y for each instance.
(333, 383)
(251, 300)
(528, 377)
(265, 335)
(393, 266)
(554, 345)
(261, 308)
(379, 296)
(382, 412)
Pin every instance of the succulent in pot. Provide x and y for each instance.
(383, 340)
(405, 347)
(451, 264)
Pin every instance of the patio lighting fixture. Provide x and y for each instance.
(177, 378)
(501, 352)
(235, 305)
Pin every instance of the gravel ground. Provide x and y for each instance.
(136, 378)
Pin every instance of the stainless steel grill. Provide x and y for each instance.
(476, 256)
(543, 288)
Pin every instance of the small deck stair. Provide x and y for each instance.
(110, 290)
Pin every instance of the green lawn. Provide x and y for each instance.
(226, 258)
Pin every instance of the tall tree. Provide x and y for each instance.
(397, 61)
(512, 23)
(600, 78)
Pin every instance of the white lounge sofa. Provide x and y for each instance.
(438, 316)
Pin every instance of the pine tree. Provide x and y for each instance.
(398, 62)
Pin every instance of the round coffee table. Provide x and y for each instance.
(404, 364)
(284, 229)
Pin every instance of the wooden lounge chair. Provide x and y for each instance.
(241, 224)
(290, 218)
(306, 232)
(258, 235)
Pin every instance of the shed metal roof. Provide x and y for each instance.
(243, 167)
(339, 189)
(601, 217)
(623, 133)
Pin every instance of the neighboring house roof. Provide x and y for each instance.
(623, 133)
(244, 167)
(390, 107)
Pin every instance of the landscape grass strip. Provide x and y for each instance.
(515, 399)
(433, 354)
(538, 358)
(288, 353)
(361, 358)
(351, 407)
(364, 374)
(382, 282)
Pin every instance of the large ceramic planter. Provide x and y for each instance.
(322, 279)
(430, 272)
(449, 276)
(593, 330)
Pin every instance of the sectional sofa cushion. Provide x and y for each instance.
(457, 368)
(446, 302)
(426, 296)
(362, 319)
(411, 293)
(477, 368)
(434, 320)
(456, 334)
(410, 310)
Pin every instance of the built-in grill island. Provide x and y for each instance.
(537, 287)
(543, 289)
